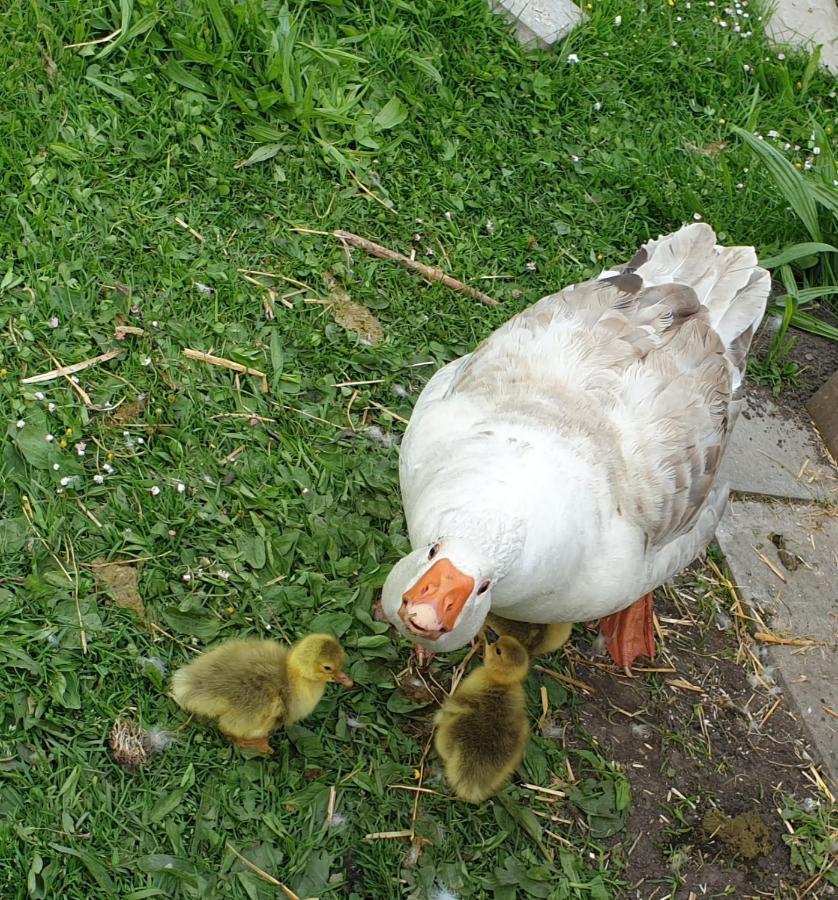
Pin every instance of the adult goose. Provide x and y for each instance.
(568, 465)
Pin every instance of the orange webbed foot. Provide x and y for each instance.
(630, 633)
(260, 744)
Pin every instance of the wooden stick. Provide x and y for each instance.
(387, 835)
(189, 228)
(565, 678)
(226, 364)
(430, 273)
(544, 790)
(263, 874)
(71, 370)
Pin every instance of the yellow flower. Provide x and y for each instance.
(68, 432)
(110, 455)
(416, 774)
(4, 372)
(722, 121)
(230, 610)
(798, 165)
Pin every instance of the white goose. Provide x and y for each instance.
(567, 466)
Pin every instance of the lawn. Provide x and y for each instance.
(141, 174)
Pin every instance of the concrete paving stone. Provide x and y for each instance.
(803, 603)
(773, 455)
(823, 408)
(540, 23)
(805, 23)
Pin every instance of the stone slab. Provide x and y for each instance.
(772, 455)
(823, 408)
(804, 605)
(804, 23)
(540, 23)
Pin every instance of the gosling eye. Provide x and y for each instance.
(433, 551)
(497, 651)
(483, 588)
(327, 668)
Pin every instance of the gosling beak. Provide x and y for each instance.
(344, 679)
(433, 605)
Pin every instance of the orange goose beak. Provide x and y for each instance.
(433, 605)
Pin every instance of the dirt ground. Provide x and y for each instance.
(817, 359)
(711, 733)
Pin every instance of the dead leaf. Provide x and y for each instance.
(714, 148)
(128, 412)
(352, 316)
(121, 583)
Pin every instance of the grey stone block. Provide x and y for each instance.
(803, 23)
(540, 23)
(773, 455)
(803, 605)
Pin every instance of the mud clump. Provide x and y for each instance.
(746, 835)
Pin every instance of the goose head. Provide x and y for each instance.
(439, 595)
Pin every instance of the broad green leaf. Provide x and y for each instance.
(167, 803)
(114, 91)
(162, 863)
(181, 76)
(260, 154)
(96, 869)
(796, 251)
(13, 534)
(825, 195)
(807, 322)
(393, 113)
(196, 624)
(791, 184)
(221, 25)
(336, 623)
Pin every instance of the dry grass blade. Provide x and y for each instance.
(767, 638)
(262, 873)
(223, 363)
(71, 370)
(102, 40)
(770, 565)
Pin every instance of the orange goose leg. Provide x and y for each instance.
(261, 744)
(630, 633)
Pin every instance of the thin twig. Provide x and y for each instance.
(299, 284)
(566, 679)
(189, 228)
(429, 273)
(389, 412)
(226, 364)
(71, 370)
(263, 874)
(369, 193)
(387, 835)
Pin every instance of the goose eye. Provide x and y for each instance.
(497, 650)
(433, 551)
(482, 590)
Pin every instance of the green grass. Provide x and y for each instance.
(434, 108)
